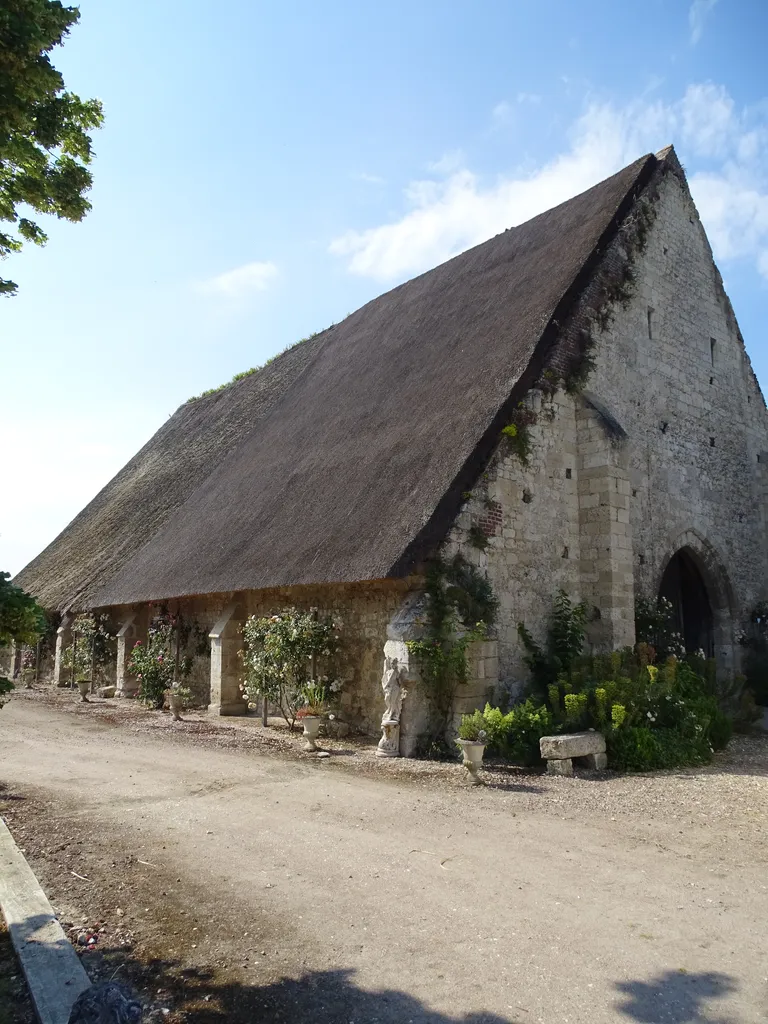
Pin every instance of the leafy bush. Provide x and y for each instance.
(565, 642)
(643, 748)
(284, 657)
(515, 735)
(472, 728)
(655, 625)
(153, 663)
(653, 716)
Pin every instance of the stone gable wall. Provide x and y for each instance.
(696, 425)
(626, 474)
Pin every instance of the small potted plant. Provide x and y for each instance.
(312, 713)
(83, 686)
(472, 740)
(178, 699)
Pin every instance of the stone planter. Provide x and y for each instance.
(311, 729)
(176, 704)
(84, 686)
(473, 752)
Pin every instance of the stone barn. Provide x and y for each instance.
(329, 478)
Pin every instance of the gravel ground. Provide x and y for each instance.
(230, 876)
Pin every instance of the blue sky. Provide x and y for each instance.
(266, 168)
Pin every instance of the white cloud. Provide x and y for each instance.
(237, 283)
(369, 179)
(448, 162)
(446, 216)
(698, 13)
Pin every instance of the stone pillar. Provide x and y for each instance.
(63, 639)
(133, 628)
(607, 577)
(14, 664)
(226, 666)
(482, 680)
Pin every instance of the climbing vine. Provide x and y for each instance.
(517, 431)
(461, 608)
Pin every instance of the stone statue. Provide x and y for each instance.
(394, 694)
(391, 684)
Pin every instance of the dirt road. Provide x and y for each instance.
(274, 890)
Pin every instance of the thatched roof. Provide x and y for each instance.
(346, 458)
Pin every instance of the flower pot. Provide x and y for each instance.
(84, 686)
(311, 728)
(176, 704)
(473, 751)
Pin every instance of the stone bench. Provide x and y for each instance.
(588, 748)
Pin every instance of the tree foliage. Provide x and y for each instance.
(45, 147)
(22, 620)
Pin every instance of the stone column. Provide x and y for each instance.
(607, 577)
(482, 680)
(226, 666)
(14, 664)
(63, 640)
(133, 628)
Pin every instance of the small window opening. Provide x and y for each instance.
(634, 493)
(749, 399)
(641, 559)
(666, 250)
(711, 442)
(565, 551)
(712, 381)
(568, 473)
(712, 344)
(650, 322)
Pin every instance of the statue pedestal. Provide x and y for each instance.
(389, 744)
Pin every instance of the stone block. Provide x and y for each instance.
(561, 766)
(574, 744)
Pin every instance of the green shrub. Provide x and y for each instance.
(720, 730)
(515, 735)
(472, 727)
(643, 748)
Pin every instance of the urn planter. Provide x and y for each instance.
(84, 686)
(311, 725)
(473, 751)
(176, 704)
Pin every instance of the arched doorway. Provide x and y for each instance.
(684, 587)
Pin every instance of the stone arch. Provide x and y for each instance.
(706, 561)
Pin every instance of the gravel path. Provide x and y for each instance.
(268, 885)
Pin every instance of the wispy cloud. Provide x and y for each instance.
(448, 162)
(369, 179)
(445, 216)
(697, 15)
(241, 281)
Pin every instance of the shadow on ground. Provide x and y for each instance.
(329, 996)
(675, 997)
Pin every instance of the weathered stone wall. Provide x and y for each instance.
(673, 371)
(667, 447)
(365, 611)
(530, 517)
